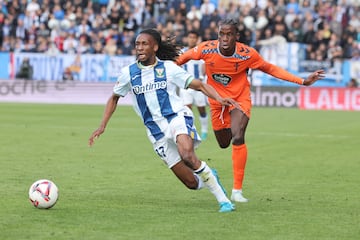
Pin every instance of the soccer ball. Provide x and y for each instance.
(43, 194)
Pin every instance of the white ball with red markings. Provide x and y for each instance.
(43, 194)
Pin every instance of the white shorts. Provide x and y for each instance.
(191, 96)
(166, 147)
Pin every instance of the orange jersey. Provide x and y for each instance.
(228, 74)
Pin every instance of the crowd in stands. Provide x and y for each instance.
(330, 29)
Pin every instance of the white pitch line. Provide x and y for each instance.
(299, 135)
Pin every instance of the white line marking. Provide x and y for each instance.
(299, 135)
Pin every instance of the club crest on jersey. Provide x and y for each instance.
(221, 78)
(160, 72)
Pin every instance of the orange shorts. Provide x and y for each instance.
(220, 115)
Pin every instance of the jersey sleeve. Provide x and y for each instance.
(257, 62)
(122, 86)
(179, 76)
(191, 54)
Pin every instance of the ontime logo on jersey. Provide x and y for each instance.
(221, 78)
(149, 87)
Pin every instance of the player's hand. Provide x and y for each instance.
(229, 102)
(96, 134)
(312, 78)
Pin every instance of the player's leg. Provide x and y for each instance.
(220, 119)
(228, 127)
(204, 122)
(239, 122)
(200, 102)
(186, 176)
(207, 176)
(223, 137)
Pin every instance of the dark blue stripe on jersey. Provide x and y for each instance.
(135, 75)
(162, 94)
(196, 71)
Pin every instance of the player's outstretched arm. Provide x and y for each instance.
(312, 78)
(109, 110)
(209, 91)
(281, 73)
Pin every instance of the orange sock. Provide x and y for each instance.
(239, 156)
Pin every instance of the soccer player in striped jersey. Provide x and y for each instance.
(227, 63)
(153, 80)
(190, 96)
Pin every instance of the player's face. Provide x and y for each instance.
(192, 40)
(227, 39)
(146, 47)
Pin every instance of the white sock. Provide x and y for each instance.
(204, 123)
(209, 180)
(237, 190)
(200, 182)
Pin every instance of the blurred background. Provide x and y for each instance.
(90, 41)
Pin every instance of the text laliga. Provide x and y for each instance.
(331, 98)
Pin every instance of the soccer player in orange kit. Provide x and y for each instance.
(227, 63)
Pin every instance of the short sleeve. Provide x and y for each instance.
(179, 76)
(123, 86)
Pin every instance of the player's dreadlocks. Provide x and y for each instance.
(167, 50)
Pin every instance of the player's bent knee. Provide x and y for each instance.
(187, 156)
(238, 140)
(224, 145)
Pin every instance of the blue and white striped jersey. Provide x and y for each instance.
(195, 67)
(154, 93)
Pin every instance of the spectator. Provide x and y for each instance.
(110, 47)
(52, 49)
(23, 18)
(355, 65)
(309, 35)
(353, 83)
(296, 30)
(70, 43)
(30, 45)
(67, 75)
(82, 28)
(97, 47)
(194, 13)
(26, 70)
(127, 46)
(334, 54)
(41, 45)
(32, 8)
(83, 46)
(42, 31)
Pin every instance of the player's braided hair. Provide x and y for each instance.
(167, 50)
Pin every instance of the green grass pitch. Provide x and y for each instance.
(302, 178)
